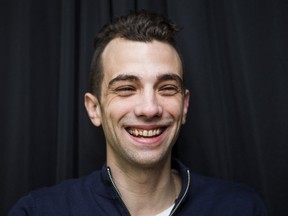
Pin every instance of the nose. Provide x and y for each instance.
(148, 105)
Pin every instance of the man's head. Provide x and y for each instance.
(140, 26)
(139, 98)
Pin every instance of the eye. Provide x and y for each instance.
(125, 91)
(169, 90)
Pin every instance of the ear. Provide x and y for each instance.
(185, 105)
(93, 108)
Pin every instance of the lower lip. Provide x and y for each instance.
(148, 141)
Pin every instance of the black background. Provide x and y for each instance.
(236, 65)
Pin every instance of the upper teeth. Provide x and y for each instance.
(145, 133)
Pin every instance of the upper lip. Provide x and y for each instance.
(146, 126)
(144, 132)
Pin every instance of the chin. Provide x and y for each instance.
(149, 160)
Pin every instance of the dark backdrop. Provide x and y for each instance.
(236, 65)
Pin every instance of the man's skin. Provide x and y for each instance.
(142, 107)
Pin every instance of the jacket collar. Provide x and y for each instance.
(110, 191)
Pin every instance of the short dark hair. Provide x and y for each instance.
(141, 26)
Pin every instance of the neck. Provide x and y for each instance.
(146, 191)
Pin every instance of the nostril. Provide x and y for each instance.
(148, 110)
(148, 105)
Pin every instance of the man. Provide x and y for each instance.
(138, 97)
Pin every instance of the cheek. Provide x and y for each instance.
(174, 107)
(116, 109)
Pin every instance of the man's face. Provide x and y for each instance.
(142, 102)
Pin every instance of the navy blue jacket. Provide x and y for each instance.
(96, 195)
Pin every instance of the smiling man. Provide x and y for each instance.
(141, 108)
(142, 103)
(139, 98)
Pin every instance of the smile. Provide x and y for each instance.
(145, 133)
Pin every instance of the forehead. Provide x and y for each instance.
(141, 59)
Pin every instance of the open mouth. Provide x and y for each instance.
(145, 133)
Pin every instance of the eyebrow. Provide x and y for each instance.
(123, 77)
(160, 78)
(173, 77)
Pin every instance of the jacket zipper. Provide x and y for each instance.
(116, 189)
(173, 210)
(184, 195)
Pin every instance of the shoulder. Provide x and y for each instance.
(219, 195)
(212, 185)
(73, 187)
(56, 199)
